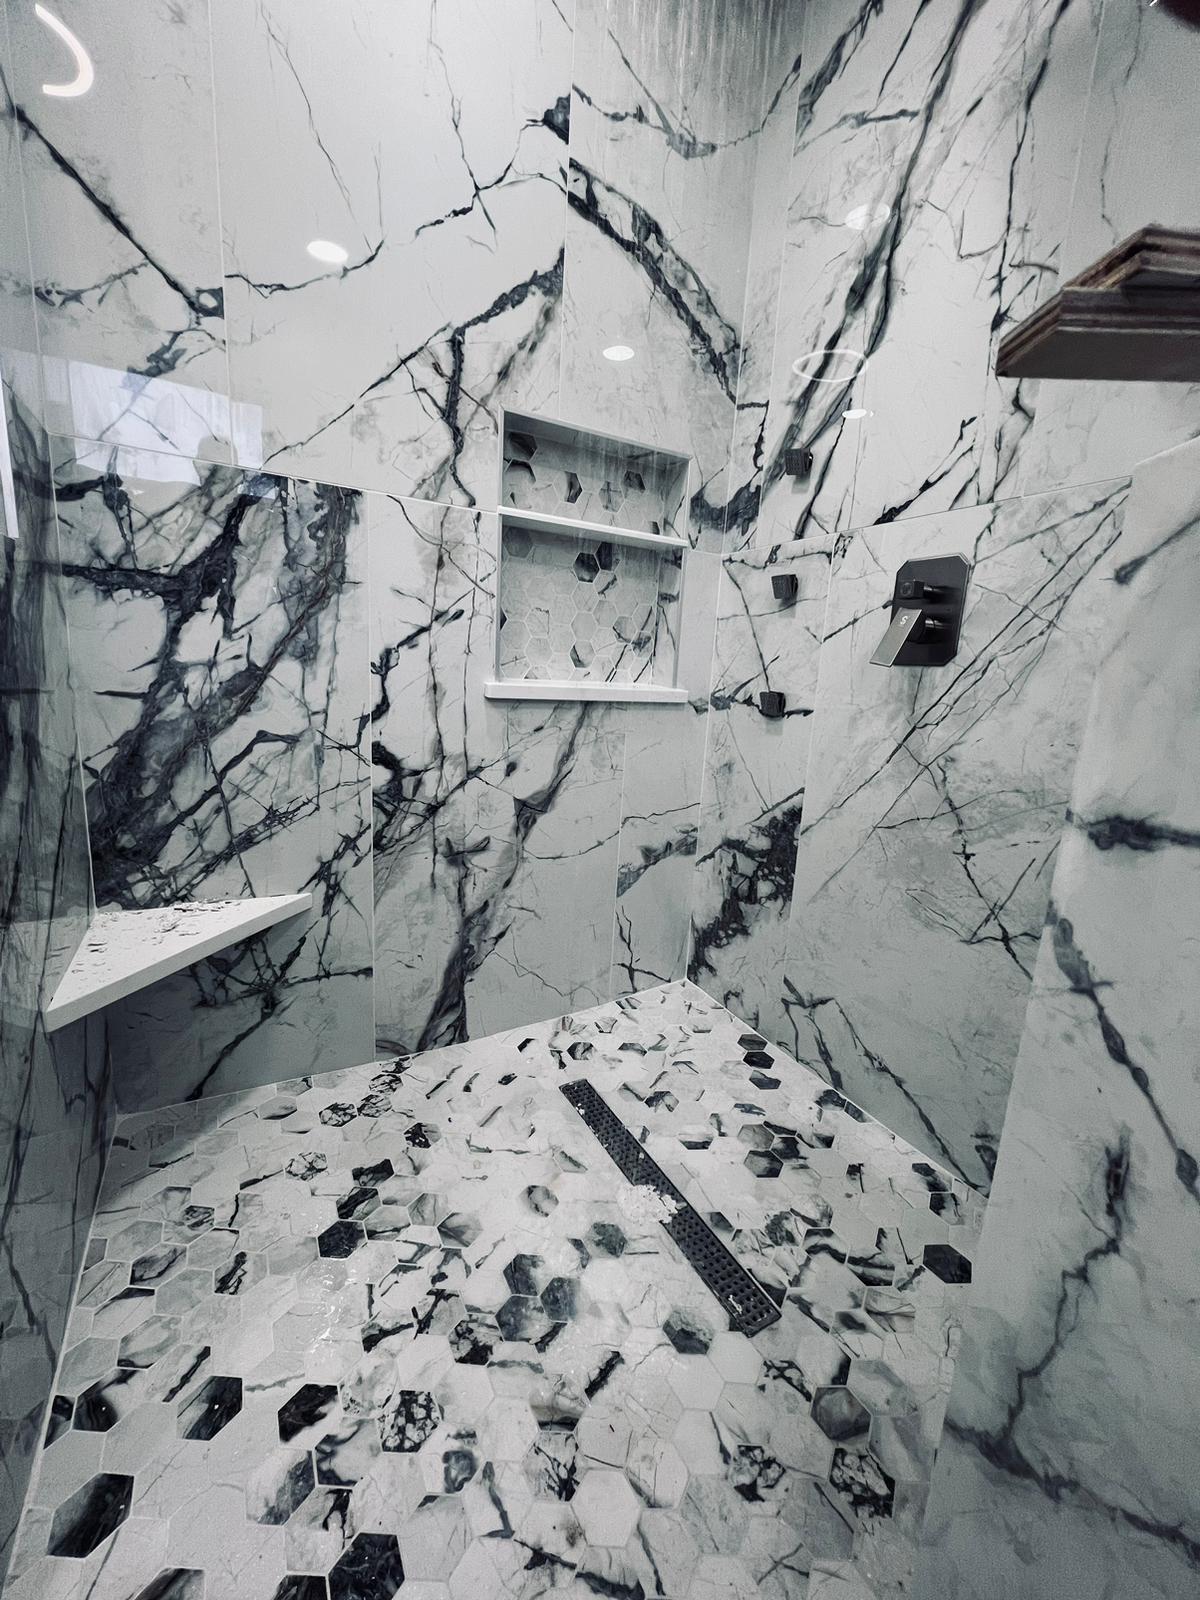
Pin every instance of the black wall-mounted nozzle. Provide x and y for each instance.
(785, 585)
(771, 703)
(798, 463)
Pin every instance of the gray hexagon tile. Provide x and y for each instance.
(404, 1330)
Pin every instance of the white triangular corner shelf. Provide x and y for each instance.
(124, 951)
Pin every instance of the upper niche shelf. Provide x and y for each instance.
(124, 951)
(1133, 316)
(576, 475)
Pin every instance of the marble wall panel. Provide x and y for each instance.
(934, 802)
(1139, 162)
(950, 167)
(1070, 1460)
(429, 141)
(219, 627)
(660, 802)
(512, 842)
(495, 856)
(126, 246)
(755, 775)
(666, 113)
(906, 138)
(772, 183)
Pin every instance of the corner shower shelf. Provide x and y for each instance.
(124, 951)
(1133, 316)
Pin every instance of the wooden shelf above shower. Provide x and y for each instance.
(124, 951)
(1133, 316)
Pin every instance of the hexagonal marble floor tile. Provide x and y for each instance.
(402, 1330)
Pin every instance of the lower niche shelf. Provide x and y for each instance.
(124, 951)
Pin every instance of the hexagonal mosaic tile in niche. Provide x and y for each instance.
(584, 609)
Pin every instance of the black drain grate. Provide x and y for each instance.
(750, 1309)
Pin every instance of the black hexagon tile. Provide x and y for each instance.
(91, 1515)
(210, 1408)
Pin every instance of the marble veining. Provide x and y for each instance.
(403, 1325)
(755, 774)
(934, 803)
(530, 856)
(130, 303)
(667, 111)
(1070, 1461)
(221, 622)
(464, 247)
(948, 166)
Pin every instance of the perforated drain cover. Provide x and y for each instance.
(750, 1310)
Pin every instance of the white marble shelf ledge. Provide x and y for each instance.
(573, 528)
(551, 689)
(124, 951)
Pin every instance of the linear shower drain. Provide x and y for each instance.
(750, 1309)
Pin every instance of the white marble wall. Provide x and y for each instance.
(949, 167)
(933, 806)
(754, 776)
(527, 857)
(1070, 1460)
(516, 188)
(942, 170)
(220, 631)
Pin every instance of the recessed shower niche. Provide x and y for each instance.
(592, 552)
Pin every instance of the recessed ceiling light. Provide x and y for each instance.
(857, 413)
(619, 352)
(325, 250)
(85, 73)
(868, 216)
(847, 364)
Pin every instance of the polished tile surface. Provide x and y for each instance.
(406, 1322)
(218, 620)
(1071, 1459)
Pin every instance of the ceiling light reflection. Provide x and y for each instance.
(619, 352)
(849, 364)
(857, 413)
(85, 73)
(868, 216)
(333, 255)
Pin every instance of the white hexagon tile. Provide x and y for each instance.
(405, 1327)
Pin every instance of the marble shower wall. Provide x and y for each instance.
(1070, 1458)
(950, 164)
(54, 1099)
(527, 856)
(220, 630)
(515, 187)
(934, 804)
(927, 178)
(754, 775)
